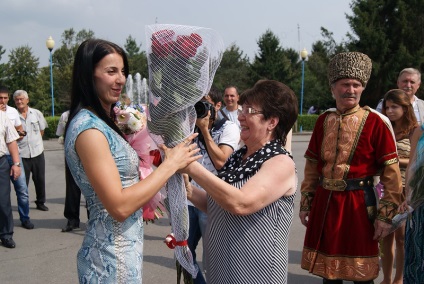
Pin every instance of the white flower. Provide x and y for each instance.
(134, 123)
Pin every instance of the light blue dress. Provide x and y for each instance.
(112, 251)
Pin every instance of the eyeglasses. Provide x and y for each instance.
(250, 110)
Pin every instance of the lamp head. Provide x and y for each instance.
(304, 54)
(50, 43)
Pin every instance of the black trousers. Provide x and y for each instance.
(6, 216)
(72, 199)
(36, 166)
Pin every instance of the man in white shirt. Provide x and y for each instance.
(8, 137)
(231, 109)
(409, 80)
(19, 184)
(31, 146)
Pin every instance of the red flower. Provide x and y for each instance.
(163, 36)
(197, 39)
(185, 47)
(162, 43)
(157, 159)
(162, 50)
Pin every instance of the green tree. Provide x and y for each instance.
(270, 62)
(40, 98)
(389, 32)
(137, 59)
(234, 70)
(63, 60)
(22, 70)
(317, 89)
(2, 65)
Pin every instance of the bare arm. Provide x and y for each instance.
(265, 187)
(403, 162)
(103, 174)
(217, 154)
(414, 141)
(15, 171)
(195, 195)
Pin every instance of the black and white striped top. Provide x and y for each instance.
(253, 248)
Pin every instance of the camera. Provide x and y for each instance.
(202, 108)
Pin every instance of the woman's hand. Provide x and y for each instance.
(183, 154)
(188, 187)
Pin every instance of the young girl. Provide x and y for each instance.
(398, 108)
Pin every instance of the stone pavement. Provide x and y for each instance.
(46, 255)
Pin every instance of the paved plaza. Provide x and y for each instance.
(46, 255)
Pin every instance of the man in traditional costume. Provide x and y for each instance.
(349, 145)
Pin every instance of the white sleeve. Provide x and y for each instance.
(230, 135)
(13, 116)
(379, 107)
(62, 123)
(42, 120)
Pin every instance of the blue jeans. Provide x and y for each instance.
(21, 190)
(198, 220)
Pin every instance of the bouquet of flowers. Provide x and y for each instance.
(132, 122)
(182, 62)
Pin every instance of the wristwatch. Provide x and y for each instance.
(17, 164)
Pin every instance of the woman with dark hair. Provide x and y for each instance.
(250, 202)
(398, 108)
(105, 167)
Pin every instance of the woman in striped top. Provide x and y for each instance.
(250, 202)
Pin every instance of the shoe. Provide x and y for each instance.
(42, 207)
(9, 243)
(70, 226)
(27, 224)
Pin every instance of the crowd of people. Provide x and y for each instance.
(240, 177)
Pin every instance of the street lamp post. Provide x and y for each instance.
(303, 55)
(50, 46)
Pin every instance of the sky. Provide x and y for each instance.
(296, 23)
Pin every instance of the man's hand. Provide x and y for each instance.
(382, 229)
(15, 172)
(304, 217)
(203, 123)
(2, 107)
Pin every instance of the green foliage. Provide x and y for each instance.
(317, 89)
(137, 59)
(2, 65)
(63, 60)
(50, 132)
(271, 61)
(390, 33)
(306, 121)
(40, 98)
(21, 70)
(233, 70)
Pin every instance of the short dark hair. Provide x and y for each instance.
(4, 89)
(83, 91)
(275, 100)
(232, 86)
(215, 95)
